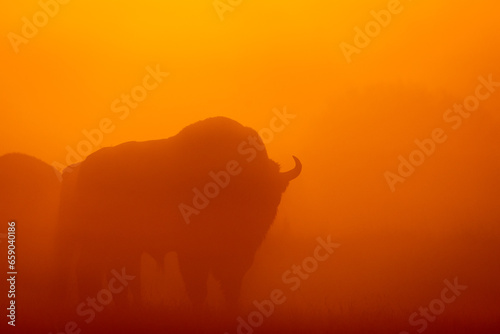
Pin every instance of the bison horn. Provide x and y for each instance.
(295, 172)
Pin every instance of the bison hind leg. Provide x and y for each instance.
(90, 272)
(131, 295)
(194, 271)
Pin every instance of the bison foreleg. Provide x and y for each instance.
(194, 272)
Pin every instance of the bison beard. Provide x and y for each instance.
(123, 201)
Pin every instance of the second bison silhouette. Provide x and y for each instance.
(210, 193)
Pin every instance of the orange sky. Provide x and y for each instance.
(352, 121)
(261, 56)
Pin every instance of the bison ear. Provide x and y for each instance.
(286, 177)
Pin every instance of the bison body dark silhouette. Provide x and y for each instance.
(29, 197)
(210, 193)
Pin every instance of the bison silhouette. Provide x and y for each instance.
(209, 193)
(29, 197)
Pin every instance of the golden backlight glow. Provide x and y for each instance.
(392, 107)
